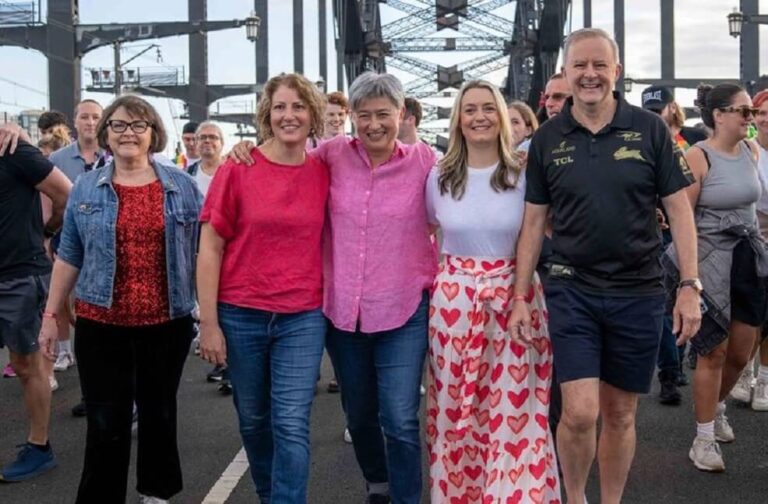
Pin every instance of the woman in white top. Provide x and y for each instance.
(487, 404)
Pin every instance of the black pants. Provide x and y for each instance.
(120, 365)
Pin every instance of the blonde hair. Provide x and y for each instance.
(453, 166)
(308, 93)
(528, 115)
(59, 137)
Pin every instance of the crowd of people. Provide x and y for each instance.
(544, 267)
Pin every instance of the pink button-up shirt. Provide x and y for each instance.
(381, 258)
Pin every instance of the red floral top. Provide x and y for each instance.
(140, 295)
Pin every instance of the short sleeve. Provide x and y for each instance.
(672, 171)
(222, 200)
(536, 187)
(431, 193)
(427, 156)
(28, 164)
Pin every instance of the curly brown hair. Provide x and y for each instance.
(338, 98)
(308, 93)
(140, 109)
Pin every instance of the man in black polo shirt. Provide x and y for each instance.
(24, 276)
(601, 165)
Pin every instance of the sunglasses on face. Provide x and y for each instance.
(136, 126)
(746, 112)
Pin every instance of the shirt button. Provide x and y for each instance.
(367, 193)
(594, 140)
(365, 212)
(362, 255)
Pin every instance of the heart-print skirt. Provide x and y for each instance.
(488, 399)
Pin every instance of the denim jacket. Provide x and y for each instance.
(88, 239)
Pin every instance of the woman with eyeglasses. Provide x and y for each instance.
(128, 249)
(732, 262)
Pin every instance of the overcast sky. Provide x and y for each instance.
(703, 47)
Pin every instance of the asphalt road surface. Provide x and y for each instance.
(209, 442)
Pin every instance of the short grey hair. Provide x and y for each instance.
(210, 124)
(587, 33)
(372, 85)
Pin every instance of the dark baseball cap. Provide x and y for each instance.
(657, 97)
(190, 127)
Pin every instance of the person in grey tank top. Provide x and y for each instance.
(732, 260)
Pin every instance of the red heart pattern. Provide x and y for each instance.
(487, 399)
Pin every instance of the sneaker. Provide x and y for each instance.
(706, 455)
(30, 462)
(347, 436)
(669, 395)
(215, 374)
(53, 383)
(333, 386)
(422, 390)
(760, 397)
(377, 499)
(8, 371)
(225, 387)
(79, 409)
(742, 391)
(682, 379)
(146, 499)
(723, 430)
(64, 361)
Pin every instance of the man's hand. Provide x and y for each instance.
(686, 317)
(48, 337)
(241, 152)
(661, 220)
(9, 137)
(520, 323)
(213, 348)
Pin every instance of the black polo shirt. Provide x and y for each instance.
(603, 189)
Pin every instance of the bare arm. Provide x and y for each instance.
(10, 134)
(686, 316)
(63, 281)
(57, 187)
(529, 245)
(697, 162)
(212, 346)
(528, 250)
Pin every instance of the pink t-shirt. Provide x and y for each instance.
(381, 258)
(271, 217)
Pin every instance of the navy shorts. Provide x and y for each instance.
(21, 307)
(615, 339)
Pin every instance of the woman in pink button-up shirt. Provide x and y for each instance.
(378, 269)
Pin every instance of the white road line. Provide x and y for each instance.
(223, 488)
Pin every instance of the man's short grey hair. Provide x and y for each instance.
(372, 85)
(210, 124)
(586, 33)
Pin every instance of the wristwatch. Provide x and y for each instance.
(693, 283)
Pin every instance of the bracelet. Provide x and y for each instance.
(518, 297)
(50, 315)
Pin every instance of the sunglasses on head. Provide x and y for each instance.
(745, 111)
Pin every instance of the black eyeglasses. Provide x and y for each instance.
(746, 112)
(136, 126)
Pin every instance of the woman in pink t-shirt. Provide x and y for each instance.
(259, 275)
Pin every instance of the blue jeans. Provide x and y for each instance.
(273, 361)
(380, 375)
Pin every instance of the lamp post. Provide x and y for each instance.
(737, 19)
(252, 24)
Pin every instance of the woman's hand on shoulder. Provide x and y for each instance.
(241, 152)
